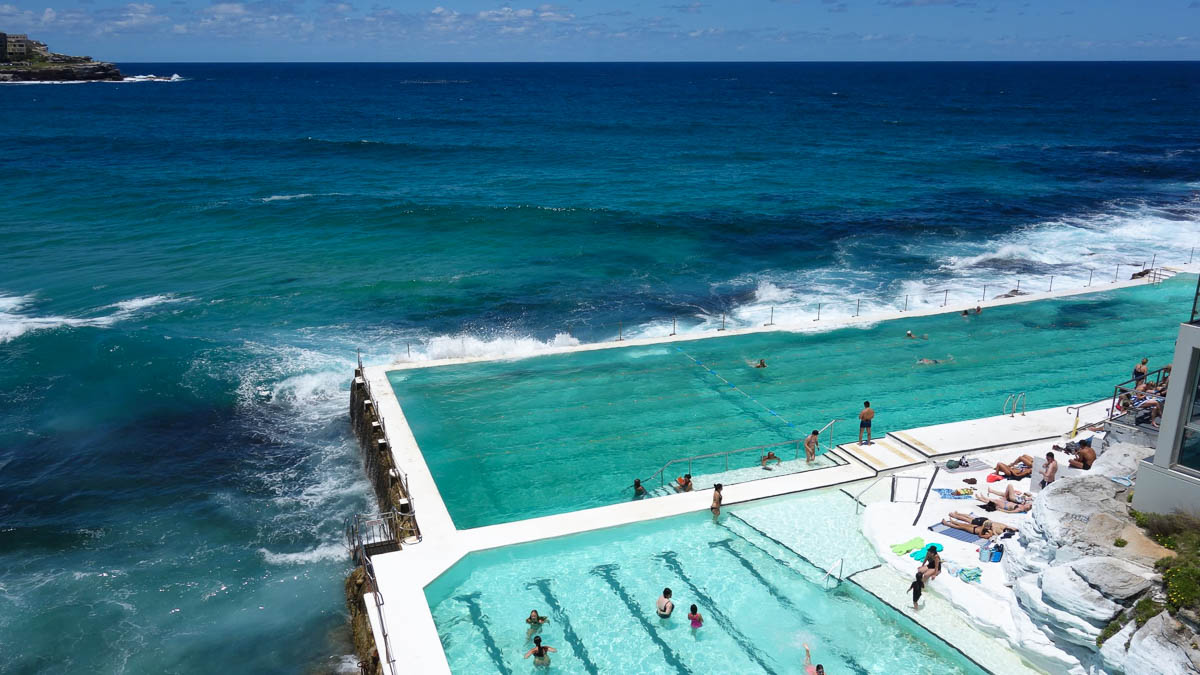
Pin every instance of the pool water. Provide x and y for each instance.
(549, 434)
(760, 600)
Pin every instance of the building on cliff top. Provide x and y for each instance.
(18, 47)
(1170, 480)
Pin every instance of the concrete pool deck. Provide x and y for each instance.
(403, 575)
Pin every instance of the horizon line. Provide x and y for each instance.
(655, 62)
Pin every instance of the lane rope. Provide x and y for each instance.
(733, 386)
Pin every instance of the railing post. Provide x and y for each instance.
(1152, 259)
(409, 348)
(818, 312)
(984, 293)
(620, 331)
(905, 304)
(1051, 290)
(857, 306)
(1090, 277)
(1191, 255)
(771, 321)
(722, 321)
(1117, 273)
(672, 325)
(1018, 285)
(945, 297)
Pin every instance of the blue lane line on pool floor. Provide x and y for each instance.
(608, 573)
(672, 562)
(489, 643)
(569, 633)
(726, 545)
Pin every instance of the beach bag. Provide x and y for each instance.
(990, 552)
(952, 464)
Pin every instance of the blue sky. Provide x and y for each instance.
(587, 30)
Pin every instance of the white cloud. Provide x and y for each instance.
(226, 9)
(48, 16)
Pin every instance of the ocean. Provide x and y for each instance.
(187, 269)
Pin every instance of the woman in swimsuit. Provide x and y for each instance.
(978, 525)
(932, 566)
(540, 653)
(535, 622)
(695, 618)
(1141, 370)
(1004, 505)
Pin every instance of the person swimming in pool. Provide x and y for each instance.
(695, 618)
(769, 457)
(761, 364)
(639, 490)
(684, 483)
(535, 621)
(934, 362)
(663, 607)
(809, 668)
(540, 653)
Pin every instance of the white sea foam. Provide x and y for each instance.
(15, 321)
(322, 552)
(286, 198)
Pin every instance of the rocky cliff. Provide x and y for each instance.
(59, 72)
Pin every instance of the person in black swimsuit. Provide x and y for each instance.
(540, 653)
(916, 587)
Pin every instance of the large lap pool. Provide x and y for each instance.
(549, 434)
(761, 602)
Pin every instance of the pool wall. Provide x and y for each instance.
(403, 576)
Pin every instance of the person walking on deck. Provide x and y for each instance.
(864, 422)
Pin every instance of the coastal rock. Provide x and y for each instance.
(66, 72)
(1121, 459)
(1063, 625)
(1163, 646)
(1118, 580)
(1066, 590)
(1113, 652)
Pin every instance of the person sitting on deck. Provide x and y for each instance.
(1084, 456)
(1019, 468)
(1002, 504)
(684, 483)
(932, 565)
(769, 457)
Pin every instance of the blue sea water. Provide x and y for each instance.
(186, 269)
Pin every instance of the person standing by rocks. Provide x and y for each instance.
(1049, 469)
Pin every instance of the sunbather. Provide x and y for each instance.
(979, 525)
(1011, 494)
(1019, 468)
(1002, 504)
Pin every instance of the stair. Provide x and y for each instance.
(884, 454)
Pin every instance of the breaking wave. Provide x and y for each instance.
(15, 321)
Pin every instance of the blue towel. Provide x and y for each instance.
(947, 493)
(920, 553)
(960, 535)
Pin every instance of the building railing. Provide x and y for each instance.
(667, 325)
(377, 595)
(1122, 398)
(383, 479)
(373, 534)
(797, 444)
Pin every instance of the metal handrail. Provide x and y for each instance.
(377, 595)
(858, 497)
(401, 474)
(1123, 389)
(1004, 410)
(799, 443)
(1020, 400)
(841, 562)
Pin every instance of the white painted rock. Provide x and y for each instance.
(1064, 625)
(1116, 579)
(1112, 652)
(1163, 647)
(1120, 459)
(1066, 590)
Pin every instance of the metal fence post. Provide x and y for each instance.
(857, 306)
(905, 304)
(620, 331)
(408, 347)
(1191, 255)
(672, 325)
(818, 312)
(945, 297)
(984, 293)
(1090, 277)
(771, 322)
(722, 321)
(1117, 273)
(1018, 285)
(1152, 259)
(1051, 290)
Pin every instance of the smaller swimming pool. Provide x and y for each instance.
(761, 602)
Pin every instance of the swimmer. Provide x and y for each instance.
(809, 668)
(770, 457)
(664, 606)
(535, 622)
(695, 617)
(540, 653)
(978, 309)
(934, 362)
(716, 502)
(684, 483)
(965, 313)
(761, 364)
(639, 490)
(909, 334)
(811, 443)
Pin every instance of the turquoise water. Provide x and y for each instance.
(515, 439)
(760, 600)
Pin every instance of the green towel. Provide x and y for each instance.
(971, 574)
(908, 546)
(920, 553)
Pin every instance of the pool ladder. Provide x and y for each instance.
(838, 579)
(1015, 400)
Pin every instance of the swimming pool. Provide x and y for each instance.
(760, 600)
(550, 434)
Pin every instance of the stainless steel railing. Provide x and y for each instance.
(1016, 400)
(798, 443)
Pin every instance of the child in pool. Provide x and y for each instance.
(695, 618)
(540, 653)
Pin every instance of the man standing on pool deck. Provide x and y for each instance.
(864, 422)
(716, 505)
(810, 446)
